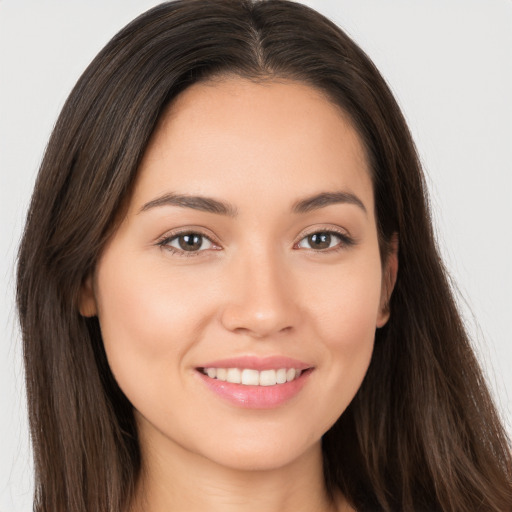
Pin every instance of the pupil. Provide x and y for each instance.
(320, 240)
(190, 242)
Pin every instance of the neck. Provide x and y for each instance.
(178, 480)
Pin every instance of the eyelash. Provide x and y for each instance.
(344, 243)
(164, 243)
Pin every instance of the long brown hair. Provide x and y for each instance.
(422, 432)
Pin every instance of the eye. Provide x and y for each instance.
(187, 242)
(323, 240)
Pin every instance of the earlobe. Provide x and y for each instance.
(87, 302)
(390, 272)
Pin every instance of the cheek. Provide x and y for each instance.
(345, 308)
(344, 317)
(149, 320)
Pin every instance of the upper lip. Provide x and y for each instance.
(257, 363)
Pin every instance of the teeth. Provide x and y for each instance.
(268, 378)
(250, 377)
(234, 375)
(281, 376)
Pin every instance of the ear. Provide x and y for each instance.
(389, 273)
(87, 301)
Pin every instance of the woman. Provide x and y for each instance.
(229, 289)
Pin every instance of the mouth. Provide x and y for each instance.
(253, 377)
(254, 383)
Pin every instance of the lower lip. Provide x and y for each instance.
(256, 397)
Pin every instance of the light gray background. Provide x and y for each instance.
(449, 63)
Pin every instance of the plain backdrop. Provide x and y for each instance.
(449, 63)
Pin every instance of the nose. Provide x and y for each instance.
(260, 301)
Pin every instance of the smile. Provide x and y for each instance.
(252, 377)
(255, 383)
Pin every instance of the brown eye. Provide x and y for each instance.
(188, 242)
(319, 240)
(322, 240)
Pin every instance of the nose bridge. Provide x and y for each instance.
(261, 303)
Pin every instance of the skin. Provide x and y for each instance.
(257, 289)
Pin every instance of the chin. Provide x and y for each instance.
(263, 456)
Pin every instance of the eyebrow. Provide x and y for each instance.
(210, 205)
(202, 203)
(324, 199)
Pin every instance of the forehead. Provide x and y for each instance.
(229, 136)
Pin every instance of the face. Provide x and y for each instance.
(239, 298)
